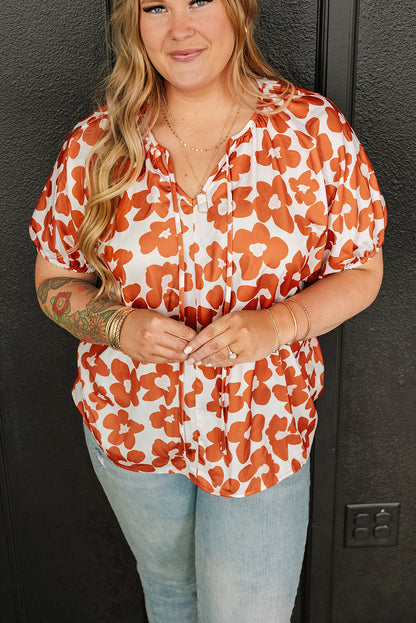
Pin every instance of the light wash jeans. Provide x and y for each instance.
(208, 559)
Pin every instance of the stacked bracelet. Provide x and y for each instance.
(276, 328)
(113, 327)
(295, 324)
(308, 318)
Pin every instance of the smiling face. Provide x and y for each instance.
(189, 42)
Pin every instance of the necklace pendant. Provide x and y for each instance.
(202, 202)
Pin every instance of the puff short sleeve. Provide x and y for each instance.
(61, 207)
(357, 215)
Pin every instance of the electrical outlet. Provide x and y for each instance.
(371, 525)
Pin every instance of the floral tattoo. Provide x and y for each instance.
(88, 324)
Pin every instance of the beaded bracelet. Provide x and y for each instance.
(114, 325)
(279, 339)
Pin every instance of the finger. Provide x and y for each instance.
(208, 335)
(214, 351)
(178, 329)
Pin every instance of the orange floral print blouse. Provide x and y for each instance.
(293, 200)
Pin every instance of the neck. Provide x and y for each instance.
(193, 102)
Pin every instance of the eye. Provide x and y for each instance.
(155, 9)
(200, 2)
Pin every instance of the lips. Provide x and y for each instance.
(185, 56)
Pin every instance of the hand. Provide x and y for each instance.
(150, 337)
(249, 334)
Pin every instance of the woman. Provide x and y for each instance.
(197, 234)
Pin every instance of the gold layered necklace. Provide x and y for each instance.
(201, 196)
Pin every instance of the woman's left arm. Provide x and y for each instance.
(252, 335)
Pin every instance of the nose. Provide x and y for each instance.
(181, 25)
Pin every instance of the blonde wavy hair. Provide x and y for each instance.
(133, 94)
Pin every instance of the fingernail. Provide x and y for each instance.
(190, 361)
(187, 350)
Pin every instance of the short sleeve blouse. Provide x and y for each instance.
(293, 200)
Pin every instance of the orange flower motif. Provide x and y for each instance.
(201, 482)
(245, 432)
(240, 165)
(131, 295)
(93, 131)
(257, 248)
(74, 146)
(347, 252)
(214, 451)
(79, 190)
(92, 361)
(262, 294)
(272, 201)
(296, 387)
(313, 240)
(304, 188)
(116, 260)
(160, 384)
(218, 211)
(360, 177)
(280, 437)
(153, 199)
(215, 298)
(261, 468)
(121, 222)
(306, 429)
(90, 416)
(100, 397)
(257, 390)
(63, 205)
(301, 106)
(166, 419)
(215, 269)
(168, 453)
(336, 123)
(217, 476)
(242, 206)
(126, 391)
(124, 430)
(230, 487)
(231, 399)
(67, 231)
(320, 154)
(162, 236)
(62, 179)
(134, 456)
(345, 205)
(190, 397)
(275, 152)
(214, 405)
(296, 271)
(163, 282)
(341, 163)
(280, 391)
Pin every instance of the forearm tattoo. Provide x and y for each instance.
(87, 324)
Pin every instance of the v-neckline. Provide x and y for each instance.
(217, 167)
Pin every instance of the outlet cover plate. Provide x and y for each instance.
(371, 525)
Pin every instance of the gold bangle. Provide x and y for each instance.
(295, 324)
(308, 318)
(276, 328)
(114, 325)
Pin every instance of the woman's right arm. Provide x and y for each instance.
(68, 298)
